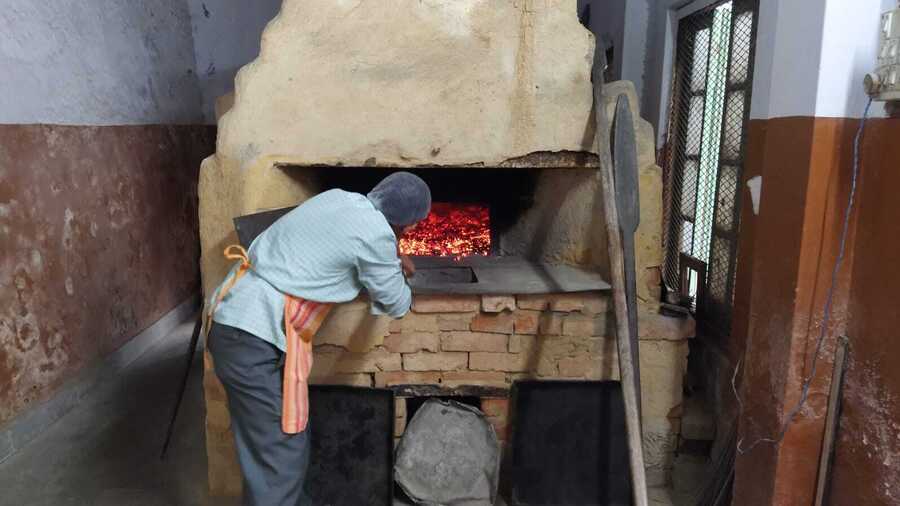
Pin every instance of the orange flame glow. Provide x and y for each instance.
(456, 230)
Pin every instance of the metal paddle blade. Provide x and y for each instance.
(628, 208)
(625, 166)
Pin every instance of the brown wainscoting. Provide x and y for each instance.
(786, 257)
(98, 239)
(865, 469)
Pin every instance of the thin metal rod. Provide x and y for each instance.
(195, 337)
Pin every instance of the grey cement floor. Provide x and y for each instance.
(106, 452)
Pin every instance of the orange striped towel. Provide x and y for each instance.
(302, 319)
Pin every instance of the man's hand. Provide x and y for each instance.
(409, 268)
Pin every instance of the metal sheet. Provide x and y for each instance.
(352, 453)
(568, 444)
(250, 226)
(508, 276)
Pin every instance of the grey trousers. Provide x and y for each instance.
(273, 463)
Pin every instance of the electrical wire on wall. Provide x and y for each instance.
(823, 330)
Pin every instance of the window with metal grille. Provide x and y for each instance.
(706, 148)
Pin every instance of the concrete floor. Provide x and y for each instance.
(106, 451)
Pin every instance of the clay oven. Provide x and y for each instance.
(491, 102)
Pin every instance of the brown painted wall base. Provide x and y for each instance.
(98, 239)
(787, 253)
(867, 461)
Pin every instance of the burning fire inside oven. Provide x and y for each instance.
(450, 230)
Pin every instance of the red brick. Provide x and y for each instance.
(588, 302)
(501, 323)
(414, 322)
(412, 342)
(444, 361)
(604, 325)
(497, 303)
(657, 327)
(537, 302)
(446, 303)
(374, 361)
(551, 324)
(455, 379)
(526, 322)
(459, 321)
(519, 344)
(580, 325)
(596, 303)
(474, 341)
(575, 367)
(353, 380)
(495, 407)
(501, 427)
(387, 379)
(602, 345)
(511, 362)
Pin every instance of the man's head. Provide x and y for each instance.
(403, 198)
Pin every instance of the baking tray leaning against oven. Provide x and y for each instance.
(352, 446)
(569, 444)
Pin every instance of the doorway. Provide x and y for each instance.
(713, 78)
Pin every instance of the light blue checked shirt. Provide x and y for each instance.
(326, 250)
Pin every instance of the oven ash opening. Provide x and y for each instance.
(471, 213)
(452, 229)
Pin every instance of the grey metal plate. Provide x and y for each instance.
(626, 173)
(506, 276)
(251, 225)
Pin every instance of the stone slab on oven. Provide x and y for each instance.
(505, 275)
(412, 82)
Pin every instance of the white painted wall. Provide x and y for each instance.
(634, 44)
(657, 68)
(624, 24)
(97, 62)
(607, 23)
(788, 55)
(227, 35)
(849, 49)
(811, 57)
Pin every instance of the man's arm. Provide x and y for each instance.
(380, 271)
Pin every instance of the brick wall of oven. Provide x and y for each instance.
(489, 341)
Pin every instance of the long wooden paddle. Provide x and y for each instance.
(617, 269)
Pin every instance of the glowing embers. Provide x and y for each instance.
(451, 230)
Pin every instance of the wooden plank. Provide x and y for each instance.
(617, 268)
(831, 421)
